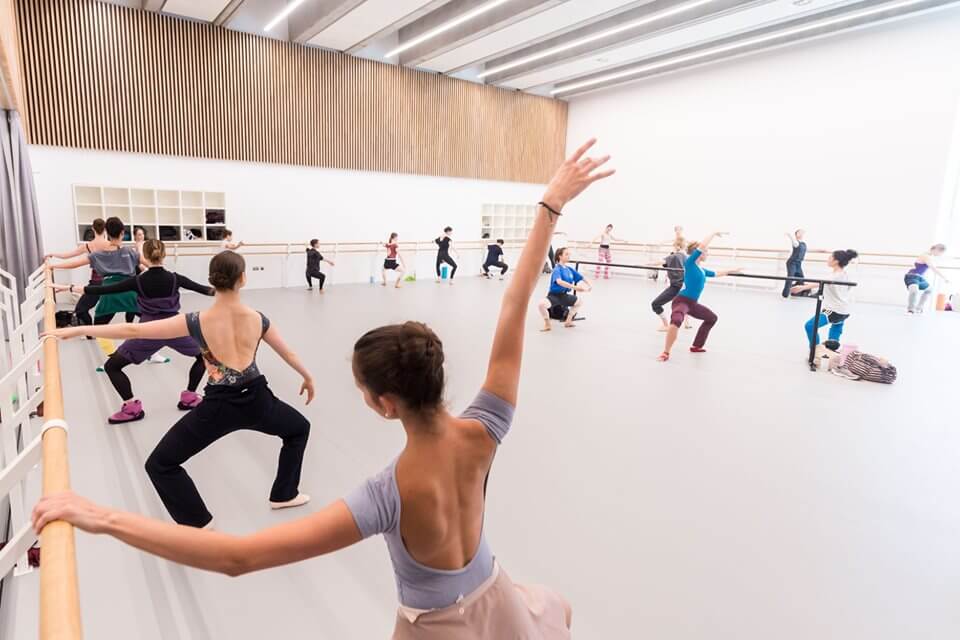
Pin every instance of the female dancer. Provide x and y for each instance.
(444, 245)
(428, 503)
(158, 295)
(564, 280)
(917, 285)
(313, 266)
(495, 259)
(393, 261)
(795, 262)
(673, 261)
(100, 242)
(236, 396)
(686, 303)
(228, 243)
(603, 253)
(836, 298)
(115, 263)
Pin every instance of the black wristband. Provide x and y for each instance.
(549, 208)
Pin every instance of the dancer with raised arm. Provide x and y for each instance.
(562, 300)
(795, 263)
(227, 243)
(236, 397)
(918, 289)
(675, 262)
(314, 258)
(429, 503)
(393, 261)
(687, 302)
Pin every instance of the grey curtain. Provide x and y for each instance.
(21, 244)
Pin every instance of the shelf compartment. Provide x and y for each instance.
(168, 198)
(214, 200)
(168, 216)
(191, 198)
(142, 197)
(87, 195)
(192, 217)
(87, 213)
(112, 195)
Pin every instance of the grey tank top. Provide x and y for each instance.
(375, 506)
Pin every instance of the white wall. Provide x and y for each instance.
(847, 136)
(282, 203)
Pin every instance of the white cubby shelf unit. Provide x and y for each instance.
(167, 214)
(507, 221)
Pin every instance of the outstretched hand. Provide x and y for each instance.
(69, 507)
(64, 333)
(575, 175)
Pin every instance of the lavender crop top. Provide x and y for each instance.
(375, 506)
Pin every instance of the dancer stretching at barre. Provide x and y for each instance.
(158, 297)
(562, 301)
(917, 285)
(314, 258)
(673, 261)
(393, 261)
(444, 246)
(236, 397)
(115, 263)
(836, 299)
(100, 242)
(687, 301)
(429, 502)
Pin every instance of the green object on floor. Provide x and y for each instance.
(410, 278)
(99, 369)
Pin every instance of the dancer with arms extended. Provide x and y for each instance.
(314, 258)
(565, 283)
(236, 397)
(795, 263)
(100, 242)
(605, 238)
(158, 296)
(917, 286)
(444, 247)
(675, 262)
(429, 503)
(687, 301)
(393, 261)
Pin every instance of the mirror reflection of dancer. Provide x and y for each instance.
(393, 261)
(605, 238)
(444, 247)
(428, 504)
(917, 285)
(687, 301)
(565, 282)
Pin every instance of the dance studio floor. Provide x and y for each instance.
(732, 495)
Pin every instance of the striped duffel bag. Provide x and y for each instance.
(872, 368)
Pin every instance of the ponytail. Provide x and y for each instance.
(844, 256)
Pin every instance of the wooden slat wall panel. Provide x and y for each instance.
(103, 76)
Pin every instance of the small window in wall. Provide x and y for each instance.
(507, 221)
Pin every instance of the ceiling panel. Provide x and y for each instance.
(562, 17)
(748, 19)
(196, 9)
(366, 20)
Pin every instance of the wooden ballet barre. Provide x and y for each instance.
(59, 597)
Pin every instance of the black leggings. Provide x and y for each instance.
(319, 275)
(665, 296)
(116, 362)
(500, 263)
(223, 411)
(128, 316)
(445, 257)
(794, 270)
(84, 305)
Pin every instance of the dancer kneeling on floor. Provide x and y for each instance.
(562, 302)
(687, 301)
(836, 300)
(158, 295)
(236, 396)
(429, 503)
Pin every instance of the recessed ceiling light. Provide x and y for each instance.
(287, 10)
(433, 33)
(802, 3)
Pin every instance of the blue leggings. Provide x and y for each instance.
(835, 320)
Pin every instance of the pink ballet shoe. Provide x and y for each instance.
(188, 400)
(131, 411)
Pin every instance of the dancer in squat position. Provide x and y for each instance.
(605, 238)
(159, 298)
(115, 263)
(687, 301)
(444, 246)
(675, 262)
(314, 258)
(494, 258)
(917, 285)
(236, 397)
(565, 282)
(100, 242)
(836, 299)
(428, 503)
(393, 261)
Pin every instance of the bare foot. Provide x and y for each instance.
(663, 328)
(688, 326)
(546, 327)
(383, 284)
(397, 286)
(569, 325)
(663, 357)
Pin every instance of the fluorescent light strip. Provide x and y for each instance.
(287, 10)
(597, 36)
(734, 46)
(466, 17)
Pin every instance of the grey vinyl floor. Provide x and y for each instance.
(728, 495)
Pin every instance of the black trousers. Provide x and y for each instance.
(223, 411)
(445, 258)
(794, 270)
(84, 305)
(114, 369)
(667, 295)
(128, 316)
(319, 275)
(499, 264)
